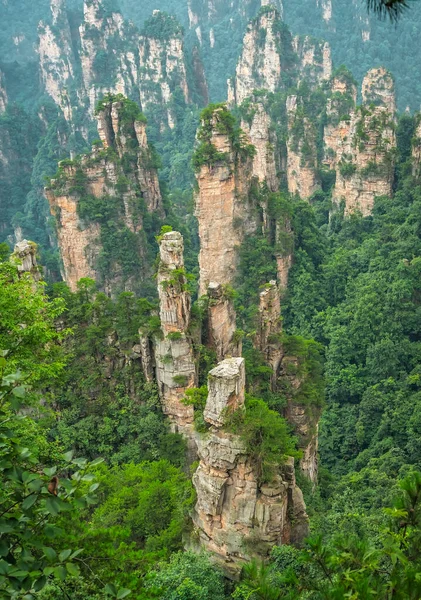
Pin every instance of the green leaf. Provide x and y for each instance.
(73, 569)
(40, 583)
(75, 553)
(48, 571)
(122, 593)
(60, 573)
(4, 548)
(68, 456)
(19, 391)
(51, 471)
(52, 506)
(93, 487)
(50, 553)
(111, 590)
(29, 501)
(96, 462)
(64, 555)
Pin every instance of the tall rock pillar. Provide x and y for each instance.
(175, 366)
(236, 517)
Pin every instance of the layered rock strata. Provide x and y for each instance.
(236, 517)
(174, 358)
(86, 189)
(363, 149)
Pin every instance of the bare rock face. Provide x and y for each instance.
(416, 152)
(267, 338)
(174, 359)
(362, 145)
(163, 69)
(3, 94)
(222, 208)
(302, 151)
(236, 517)
(99, 33)
(259, 131)
(315, 59)
(262, 62)
(97, 181)
(222, 323)
(226, 385)
(25, 258)
(56, 57)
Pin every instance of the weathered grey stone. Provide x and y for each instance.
(226, 390)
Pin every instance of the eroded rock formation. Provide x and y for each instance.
(362, 143)
(174, 359)
(56, 57)
(222, 206)
(163, 68)
(416, 151)
(25, 259)
(88, 190)
(222, 322)
(236, 516)
(302, 150)
(3, 94)
(269, 329)
(259, 130)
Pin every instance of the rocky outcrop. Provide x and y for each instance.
(222, 322)
(302, 150)
(3, 94)
(262, 61)
(259, 130)
(105, 66)
(236, 516)
(314, 60)
(56, 57)
(87, 190)
(222, 205)
(25, 259)
(416, 151)
(269, 329)
(163, 64)
(174, 359)
(363, 149)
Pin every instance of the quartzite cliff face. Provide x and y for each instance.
(361, 143)
(88, 191)
(236, 516)
(222, 206)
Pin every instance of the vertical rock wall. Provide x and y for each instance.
(223, 210)
(222, 323)
(56, 57)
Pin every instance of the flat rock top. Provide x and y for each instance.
(230, 367)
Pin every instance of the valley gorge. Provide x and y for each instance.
(210, 234)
